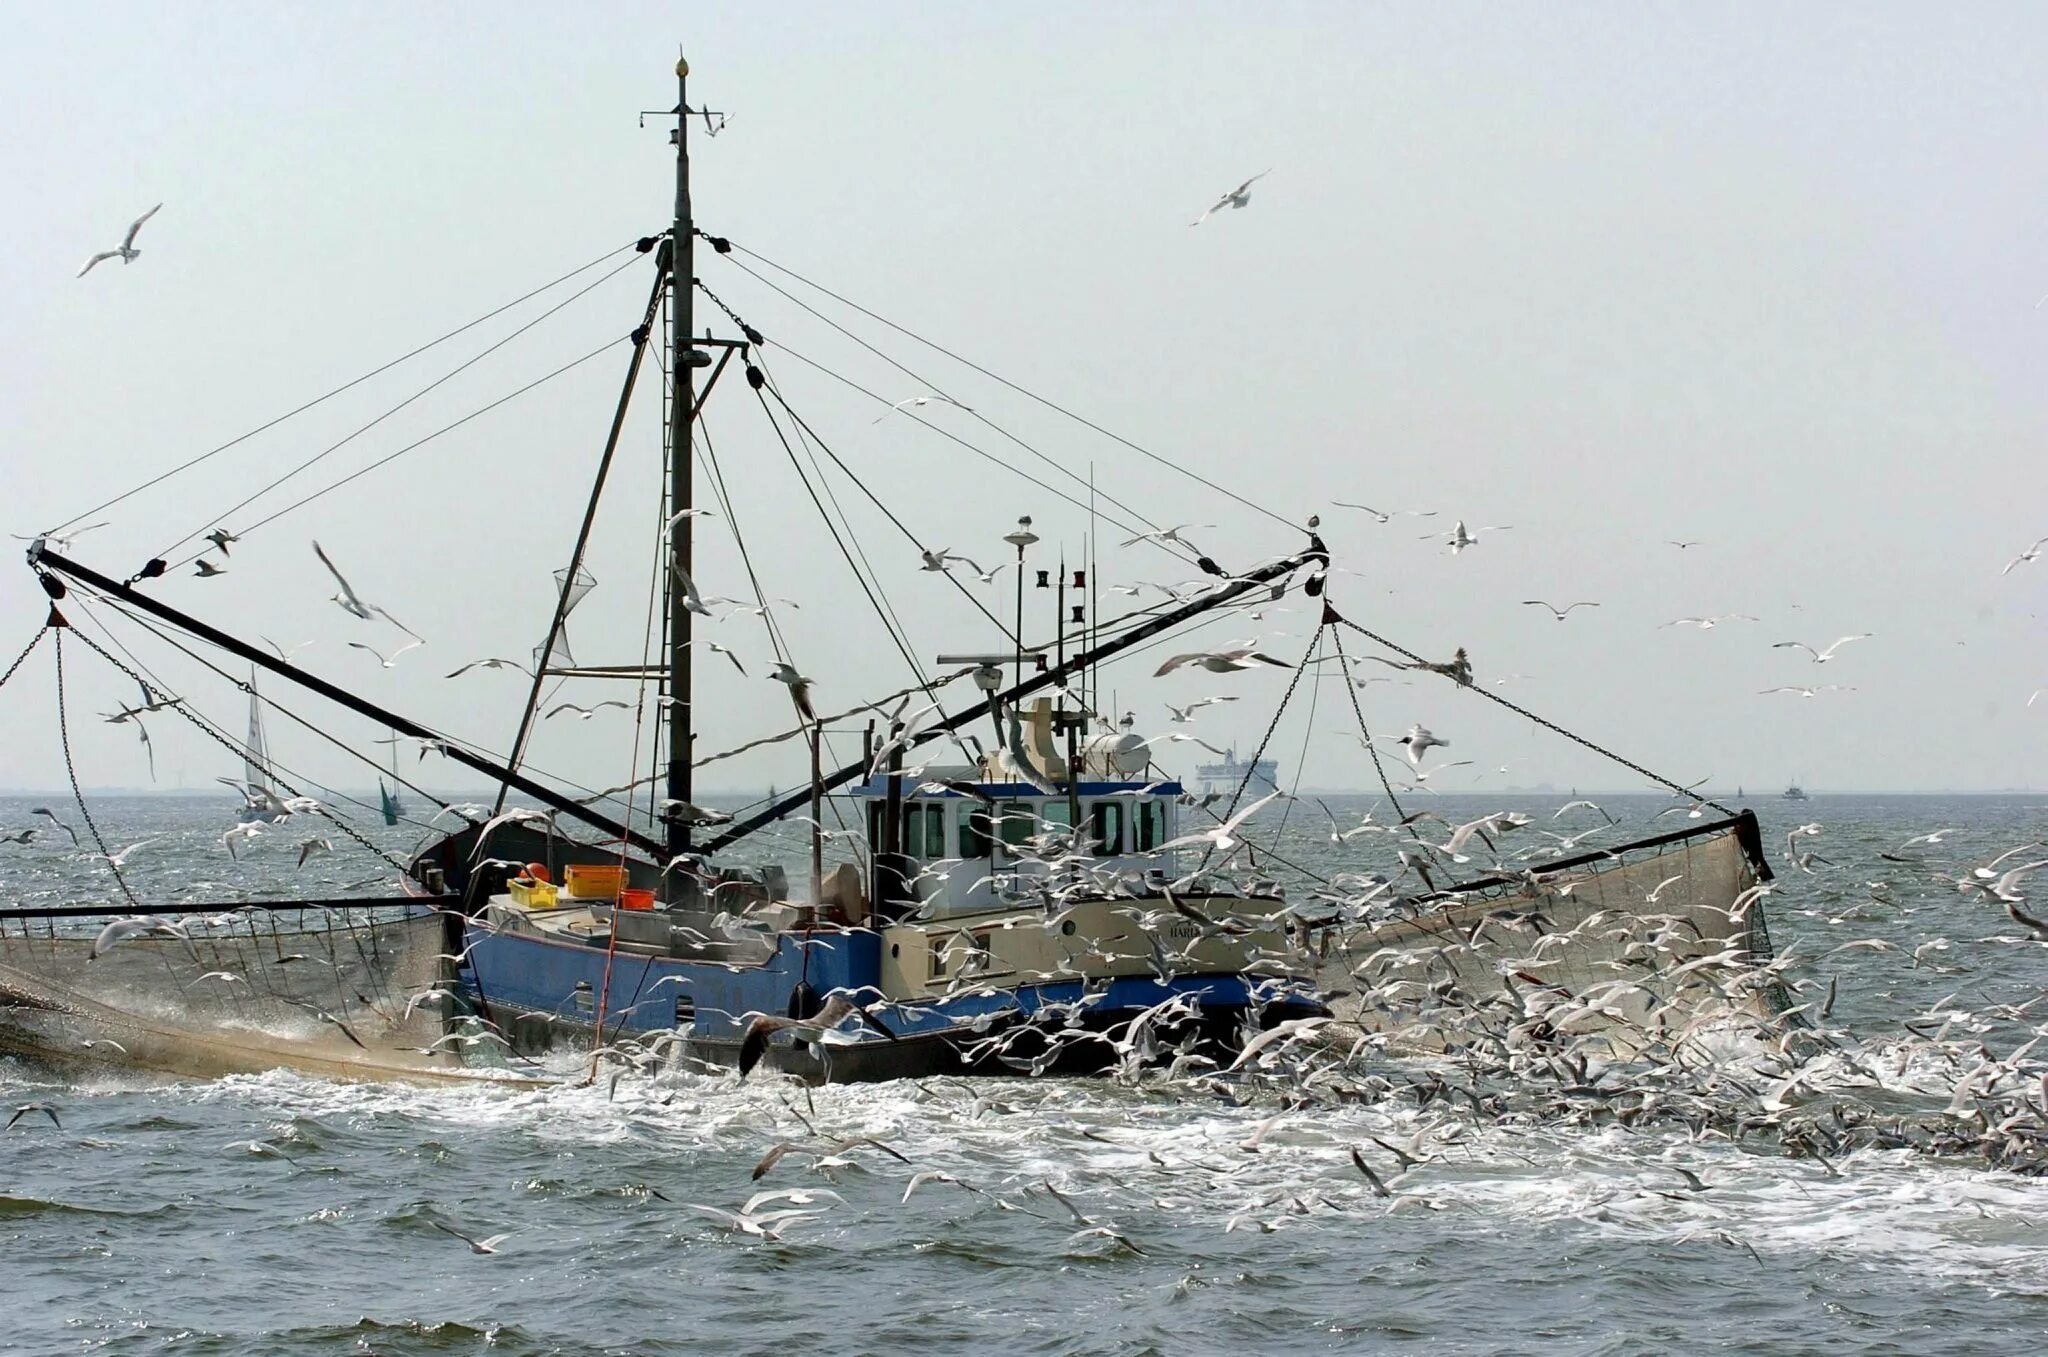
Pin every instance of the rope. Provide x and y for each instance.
(1022, 391)
(206, 728)
(933, 386)
(438, 382)
(1678, 787)
(1364, 732)
(374, 372)
(1252, 764)
(900, 526)
(420, 442)
(71, 771)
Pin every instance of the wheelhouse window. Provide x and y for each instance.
(924, 830)
(1149, 826)
(1106, 827)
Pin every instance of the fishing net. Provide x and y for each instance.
(238, 993)
(1652, 944)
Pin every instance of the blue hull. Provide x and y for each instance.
(538, 988)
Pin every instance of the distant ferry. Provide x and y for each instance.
(1795, 793)
(1225, 776)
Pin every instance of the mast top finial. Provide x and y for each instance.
(682, 66)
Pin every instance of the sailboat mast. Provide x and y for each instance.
(682, 409)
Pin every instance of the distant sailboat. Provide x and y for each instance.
(388, 797)
(257, 796)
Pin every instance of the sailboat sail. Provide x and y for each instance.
(256, 755)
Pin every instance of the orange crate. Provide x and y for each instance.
(590, 881)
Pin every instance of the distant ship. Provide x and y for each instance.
(1225, 776)
(1795, 793)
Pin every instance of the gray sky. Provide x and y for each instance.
(1763, 278)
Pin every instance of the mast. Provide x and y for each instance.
(682, 409)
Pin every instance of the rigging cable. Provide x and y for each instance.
(1364, 733)
(446, 428)
(444, 378)
(71, 771)
(1020, 390)
(1678, 787)
(1252, 764)
(804, 426)
(374, 372)
(896, 407)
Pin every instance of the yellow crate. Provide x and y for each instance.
(533, 894)
(593, 881)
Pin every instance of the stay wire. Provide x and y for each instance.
(775, 390)
(71, 771)
(949, 435)
(26, 651)
(881, 612)
(240, 751)
(1678, 787)
(213, 727)
(1364, 732)
(345, 386)
(420, 442)
(1252, 764)
(1020, 390)
(925, 381)
(360, 430)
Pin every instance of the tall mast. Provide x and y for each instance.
(682, 409)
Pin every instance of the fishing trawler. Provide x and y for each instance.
(1041, 888)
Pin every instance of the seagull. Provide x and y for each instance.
(1559, 613)
(2031, 553)
(799, 688)
(1230, 661)
(220, 537)
(313, 846)
(585, 713)
(1805, 692)
(1822, 656)
(31, 1109)
(1165, 535)
(1681, 545)
(936, 560)
(206, 569)
(1418, 741)
(1241, 196)
(492, 663)
(20, 836)
(682, 514)
(51, 816)
(915, 402)
(125, 251)
(488, 1244)
(251, 830)
(722, 650)
(1460, 538)
(60, 539)
(1221, 836)
(352, 603)
(282, 653)
(692, 600)
(388, 661)
(120, 859)
(1706, 623)
(1183, 714)
(1388, 515)
(836, 1010)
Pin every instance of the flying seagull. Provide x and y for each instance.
(1557, 612)
(352, 603)
(125, 251)
(585, 713)
(917, 401)
(1241, 196)
(1229, 661)
(2029, 554)
(493, 663)
(1460, 538)
(388, 661)
(1822, 656)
